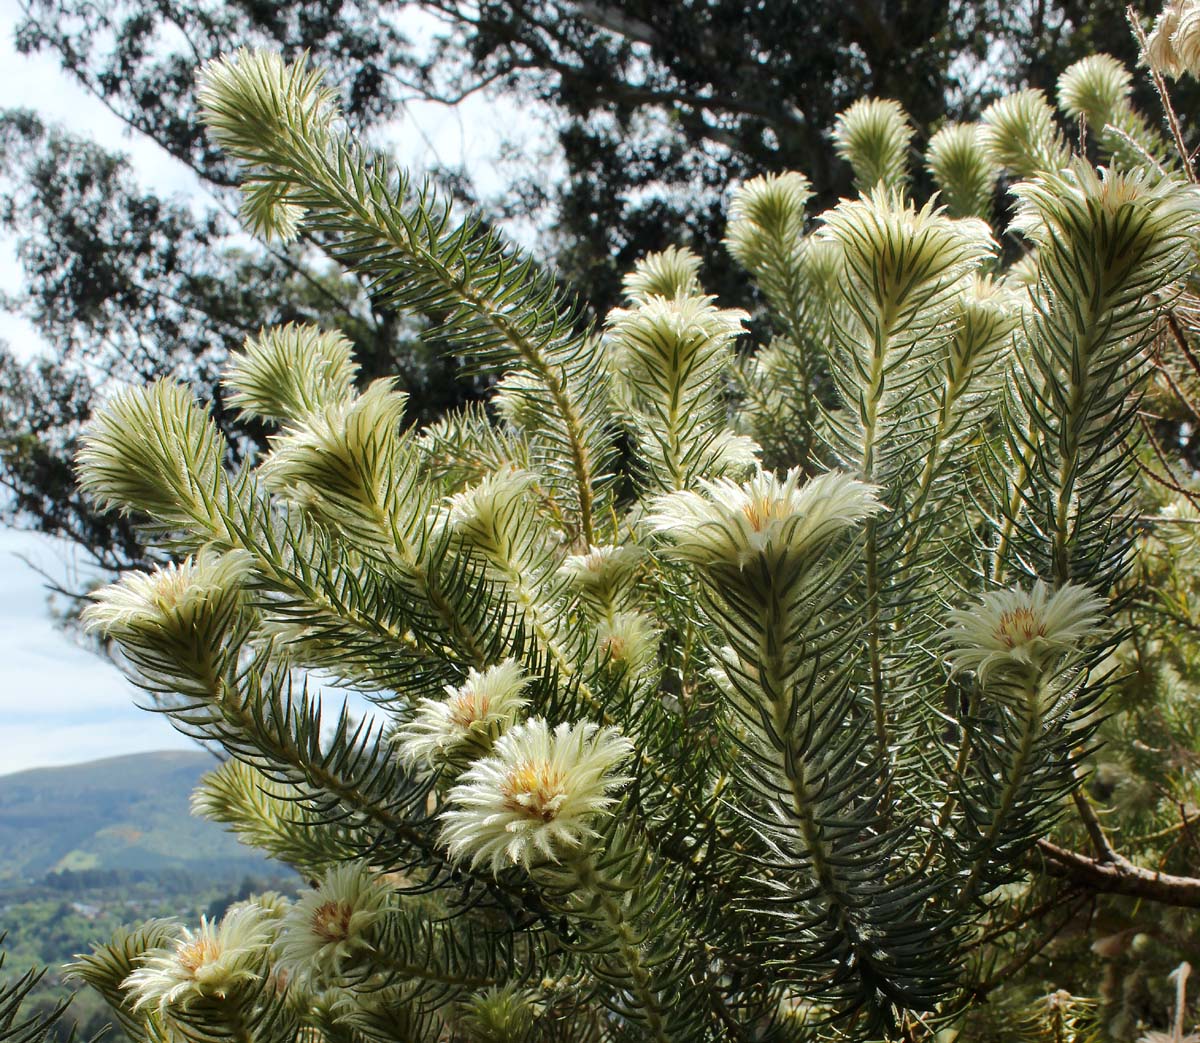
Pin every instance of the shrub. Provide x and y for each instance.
(722, 693)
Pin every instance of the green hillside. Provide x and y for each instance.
(126, 812)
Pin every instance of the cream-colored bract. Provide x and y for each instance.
(1173, 48)
(1094, 88)
(669, 273)
(329, 924)
(208, 963)
(537, 797)
(1027, 631)
(288, 372)
(733, 522)
(177, 598)
(470, 718)
(604, 573)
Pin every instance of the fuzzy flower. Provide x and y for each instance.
(268, 210)
(628, 641)
(487, 515)
(1023, 633)
(499, 1014)
(901, 258)
(173, 623)
(465, 725)
(338, 454)
(665, 342)
(209, 963)
(1094, 88)
(963, 169)
(732, 523)
(766, 219)
(250, 96)
(668, 273)
(536, 797)
(1134, 224)
(290, 371)
(1160, 50)
(175, 599)
(330, 924)
(984, 315)
(603, 576)
(873, 136)
(249, 101)
(155, 450)
(1019, 132)
(1186, 38)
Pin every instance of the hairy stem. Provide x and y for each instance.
(1031, 730)
(624, 937)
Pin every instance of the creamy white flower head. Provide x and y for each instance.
(464, 725)
(152, 449)
(669, 273)
(1136, 222)
(628, 641)
(287, 372)
(735, 455)
(518, 399)
(1160, 51)
(481, 513)
(245, 96)
(873, 136)
(269, 212)
(963, 169)
(209, 963)
(1020, 133)
(537, 797)
(247, 100)
(984, 314)
(604, 575)
(902, 257)
(1182, 528)
(1023, 632)
(271, 905)
(732, 522)
(329, 925)
(500, 1014)
(336, 452)
(824, 263)
(1022, 275)
(178, 603)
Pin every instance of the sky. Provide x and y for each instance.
(59, 702)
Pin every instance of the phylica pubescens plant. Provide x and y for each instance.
(699, 715)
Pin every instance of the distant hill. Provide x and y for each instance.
(119, 813)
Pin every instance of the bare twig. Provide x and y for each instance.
(1119, 876)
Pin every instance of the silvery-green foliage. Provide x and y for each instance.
(718, 688)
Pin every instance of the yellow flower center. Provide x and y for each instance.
(194, 954)
(468, 707)
(1019, 627)
(535, 789)
(331, 922)
(615, 647)
(760, 512)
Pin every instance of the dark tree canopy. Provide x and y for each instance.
(656, 109)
